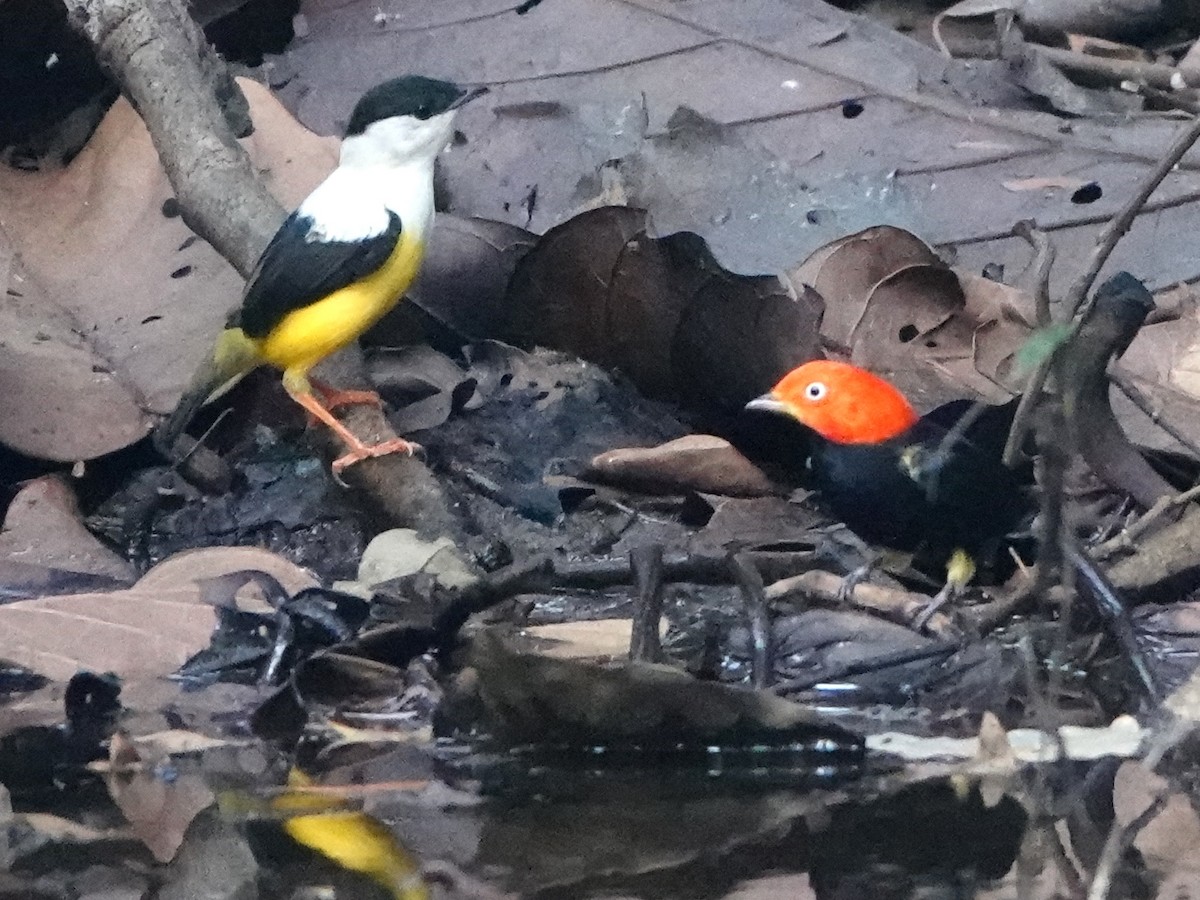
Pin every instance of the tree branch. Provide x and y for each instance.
(157, 55)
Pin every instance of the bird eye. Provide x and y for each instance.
(815, 391)
(423, 112)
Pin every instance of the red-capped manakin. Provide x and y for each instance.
(875, 464)
(341, 261)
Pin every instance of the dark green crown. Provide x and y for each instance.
(412, 95)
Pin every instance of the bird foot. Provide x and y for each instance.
(373, 451)
(851, 582)
(944, 596)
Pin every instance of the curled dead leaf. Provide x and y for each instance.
(893, 306)
(661, 310)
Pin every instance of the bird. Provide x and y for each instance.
(339, 262)
(892, 476)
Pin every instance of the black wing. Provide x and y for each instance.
(296, 271)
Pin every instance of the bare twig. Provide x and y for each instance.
(1114, 71)
(1073, 302)
(1043, 262)
(1125, 540)
(1115, 612)
(891, 603)
(1128, 386)
(646, 567)
(1115, 846)
(758, 610)
(866, 666)
(159, 58)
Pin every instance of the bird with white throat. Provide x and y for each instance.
(340, 262)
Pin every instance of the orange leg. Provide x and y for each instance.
(358, 450)
(334, 398)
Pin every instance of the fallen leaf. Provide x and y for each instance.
(193, 566)
(533, 697)
(147, 630)
(1171, 839)
(696, 462)
(462, 283)
(158, 811)
(43, 527)
(661, 310)
(113, 329)
(422, 385)
(894, 307)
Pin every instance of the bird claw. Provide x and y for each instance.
(851, 582)
(944, 596)
(374, 451)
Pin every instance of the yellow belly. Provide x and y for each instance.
(306, 336)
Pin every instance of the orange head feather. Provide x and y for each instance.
(840, 402)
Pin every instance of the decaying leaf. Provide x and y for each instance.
(696, 462)
(588, 639)
(532, 697)
(423, 385)
(461, 286)
(147, 630)
(159, 809)
(113, 328)
(659, 309)
(43, 528)
(896, 308)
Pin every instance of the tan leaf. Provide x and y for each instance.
(695, 462)
(148, 630)
(113, 327)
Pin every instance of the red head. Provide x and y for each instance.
(840, 402)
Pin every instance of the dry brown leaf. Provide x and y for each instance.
(897, 309)
(846, 271)
(210, 562)
(43, 527)
(116, 302)
(1172, 837)
(146, 631)
(695, 462)
(661, 310)
(158, 810)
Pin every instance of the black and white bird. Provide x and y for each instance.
(341, 261)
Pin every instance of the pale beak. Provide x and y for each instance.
(768, 403)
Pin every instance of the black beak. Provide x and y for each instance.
(469, 94)
(767, 403)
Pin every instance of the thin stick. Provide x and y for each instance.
(1124, 540)
(1129, 388)
(1073, 302)
(893, 604)
(1121, 222)
(758, 610)
(646, 567)
(1043, 262)
(866, 666)
(1114, 846)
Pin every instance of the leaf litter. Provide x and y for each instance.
(504, 422)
